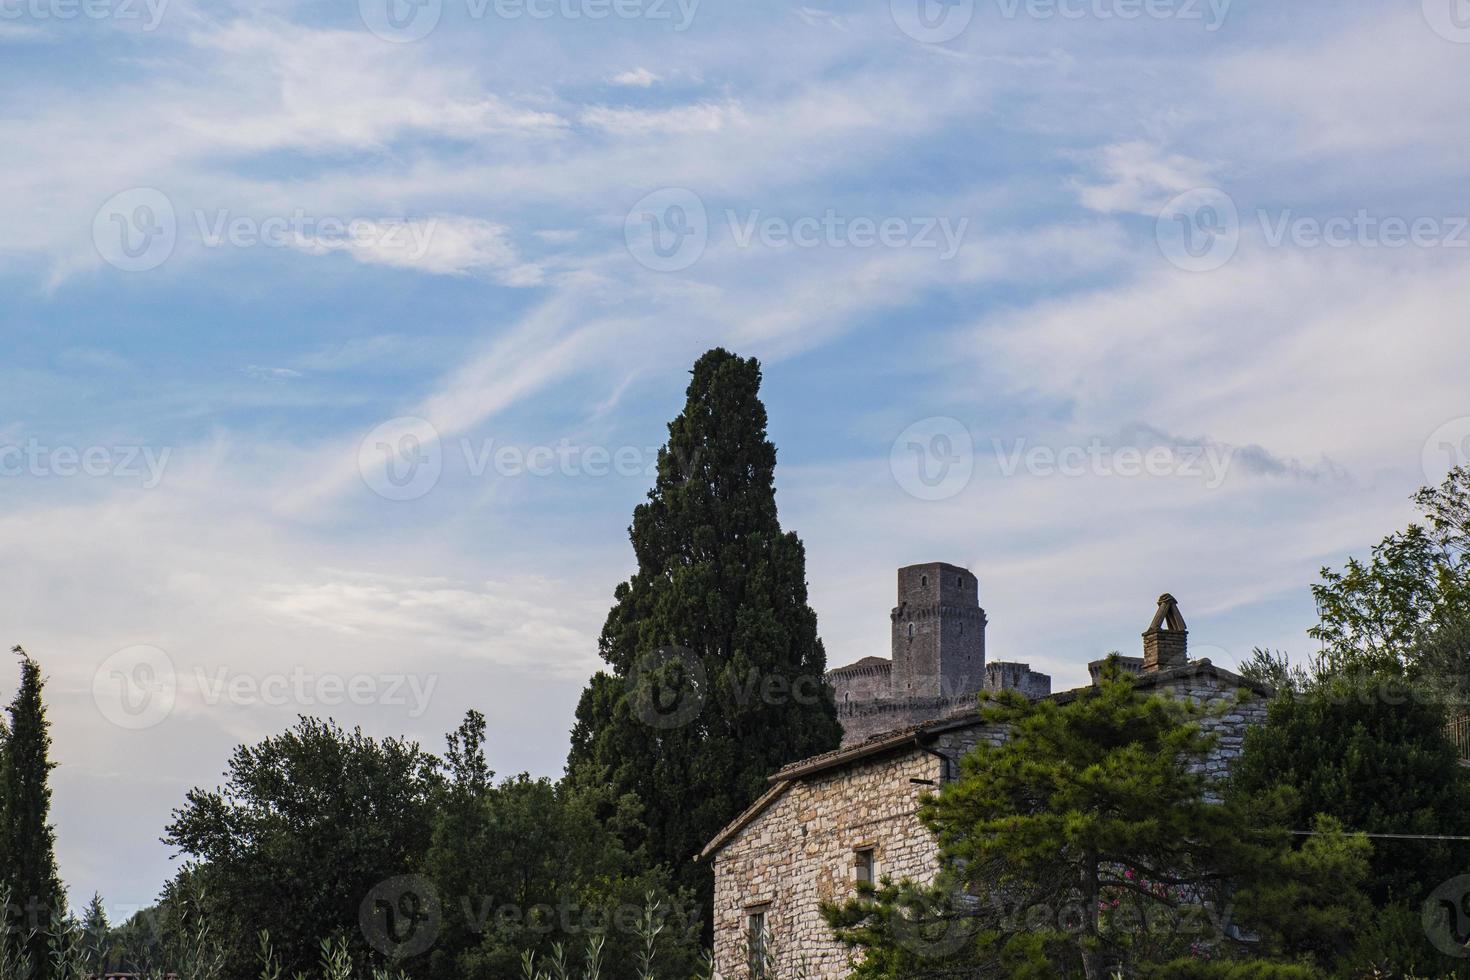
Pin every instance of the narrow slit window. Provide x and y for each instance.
(756, 945)
(865, 866)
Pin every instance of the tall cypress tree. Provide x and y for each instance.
(35, 886)
(716, 673)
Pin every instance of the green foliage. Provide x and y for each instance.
(1375, 614)
(1089, 842)
(721, 590)
(527, 866)
(306, 825)
(29, 873)
(1370, 751)
(1305, 898)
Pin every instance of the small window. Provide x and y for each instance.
(962, 627)
(959, 580)
(923, 581)
(756, 945)
(911, 631)
(864, 866)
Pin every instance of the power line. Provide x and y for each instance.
(1314, 833)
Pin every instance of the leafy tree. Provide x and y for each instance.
(30, 840)
(522, 866)
(307, 824)
(1370, 750)
(716, 670)
(1374, 615)
(1088, 841)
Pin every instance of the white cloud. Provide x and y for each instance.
(681, 120)
(1139, 177)
(636, 78)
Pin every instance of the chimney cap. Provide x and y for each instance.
(1167, 616)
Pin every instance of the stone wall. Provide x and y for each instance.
(800, 851)
(1226, 714)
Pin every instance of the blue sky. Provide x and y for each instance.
(499, 174)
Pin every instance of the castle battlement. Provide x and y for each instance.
(938, 666)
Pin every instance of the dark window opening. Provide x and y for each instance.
(756, 945)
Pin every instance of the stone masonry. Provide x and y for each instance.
(799, 845)
(938, 665)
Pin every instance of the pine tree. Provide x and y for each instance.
(716, 667)
(34, 884)
(1091, 844)
(96, 932)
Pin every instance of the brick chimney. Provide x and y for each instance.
(1166, 641)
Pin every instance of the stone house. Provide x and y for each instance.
(848, 815)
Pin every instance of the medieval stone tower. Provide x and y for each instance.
(938, 633)
(938, 665)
